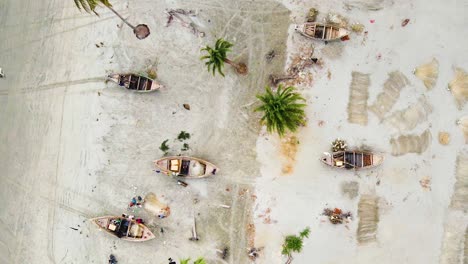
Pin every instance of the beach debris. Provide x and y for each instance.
(372, 21)
(339, 145)
(253, 252)
(357, 27)
(182, 183)
(444, 138)
(411, 143)
(136, 201)
(350, 189)
(2, 74)
(459, 87)
(276, 79)
(405, 22)
(312, 15)
(155, 207)
(270, 55)
(357, 105)
(112, 259)
(186, 106)
(152, 73)
(368, 213)
(459, 199)
(171, 261)
(336, 216)
(321, 123)
(372, 5)
(178, 13)
(389, 95)
(337, 20)
(195, 236)
(225, 206)
(223, 253)
(428, 73)
(463, 124)
(409, 118)
(425, 183)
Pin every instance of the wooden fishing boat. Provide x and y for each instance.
(187, 167)
(321, 31)
(135, 82)
(124, 228)
(352, 159)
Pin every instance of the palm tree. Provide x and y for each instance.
(200, 260)
(282, 110)
(294, 243)
(218, 56)
(141, 31)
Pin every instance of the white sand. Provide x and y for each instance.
(412, 219)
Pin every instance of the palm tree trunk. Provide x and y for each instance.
(290, 259)
(241, 68)
(123, 19)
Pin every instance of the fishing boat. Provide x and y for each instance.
(352, 159)
(135, 82)
(321, 31)
(187, 167)
(124, 228)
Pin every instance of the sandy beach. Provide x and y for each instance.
(75, 147)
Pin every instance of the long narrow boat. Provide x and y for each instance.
(321, 31)
(135, 82)
(124, 228)
(187, 167)
(352, 159)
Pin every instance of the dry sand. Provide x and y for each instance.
(415, 222)
(74, 147)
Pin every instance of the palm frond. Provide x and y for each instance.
(216, 56)
(90, 5)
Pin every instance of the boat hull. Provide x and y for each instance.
(323, 32)
(356, 160)
(192, 172)
(122, 80)
(141, 232)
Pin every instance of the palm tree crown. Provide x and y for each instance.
(282, 110)
(217, 56)
(90, 5)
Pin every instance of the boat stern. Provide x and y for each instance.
(156, 86)
(327, 158)
(377, 159)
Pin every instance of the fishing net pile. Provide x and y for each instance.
(452, 243)
(368, 213)
(411, 143)
(460, 189)
(358, 95)
(155, 207)
(389, 95)
(428, 73)
(459, 87)
(463, 124)
(409, 118)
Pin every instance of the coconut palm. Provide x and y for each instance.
(218, 56)
(141, 31)
(294, 243)
(200, 260)
(282, 110)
